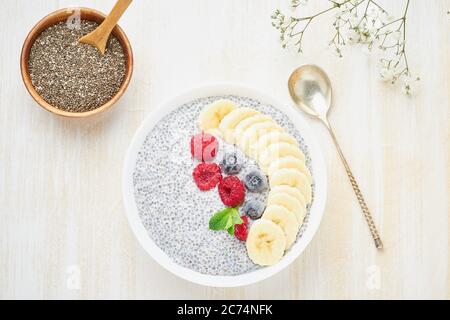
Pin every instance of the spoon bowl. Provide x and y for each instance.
(99, 37)
(310, 88)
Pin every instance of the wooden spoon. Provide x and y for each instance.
(99, 37)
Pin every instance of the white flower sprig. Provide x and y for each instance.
(296, 3)
(362, 22)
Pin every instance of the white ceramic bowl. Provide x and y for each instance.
(317, 207)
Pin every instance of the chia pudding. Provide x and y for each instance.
(172, 209)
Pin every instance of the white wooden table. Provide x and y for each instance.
(63, 231)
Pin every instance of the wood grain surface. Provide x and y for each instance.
(63, 230)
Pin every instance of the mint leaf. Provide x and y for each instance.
(236, 217)
(221, 220)
(225, 219)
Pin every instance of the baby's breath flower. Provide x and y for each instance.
(355, 21)
(296, 3)
(353, 36)
(407, 86)
(387, 74)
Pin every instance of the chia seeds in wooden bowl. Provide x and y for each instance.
(73, 76)
(71, 79)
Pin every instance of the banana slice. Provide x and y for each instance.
(210, 116)
(231, 120)
(294, 192)
(293, 178)
(285, 219)
(289, 162)
(278, 150)
(272, 137)
(290, 203)
(247, 122)
(249, 138)
(265, 243)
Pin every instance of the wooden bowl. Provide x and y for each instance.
(63, 15)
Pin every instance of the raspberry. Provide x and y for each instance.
(241, 230)
(207, 175)
(204, 146)
(231, 191)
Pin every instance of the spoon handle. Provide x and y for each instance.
(362, 202)
(99, 37)
(116, 12)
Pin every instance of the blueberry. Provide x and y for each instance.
(230, 163)
(253, 208)
(255, 181)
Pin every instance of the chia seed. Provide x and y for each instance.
(73, 76)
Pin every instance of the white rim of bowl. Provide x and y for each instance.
(317, 165)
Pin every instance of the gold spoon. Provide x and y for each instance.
(99, 37)
(310, 88)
